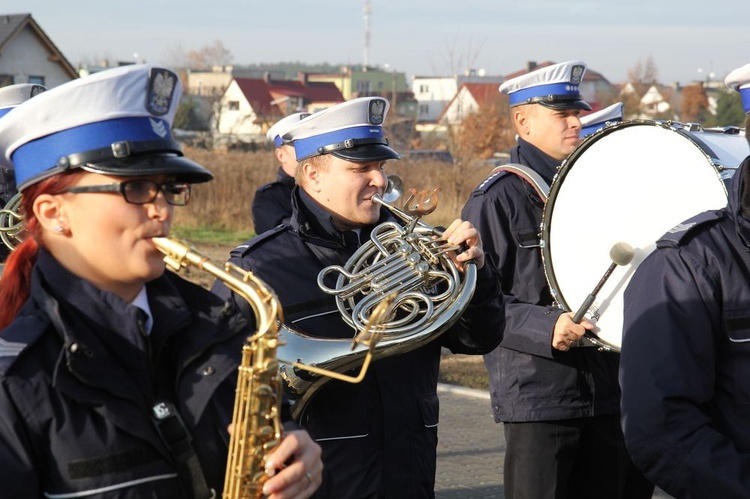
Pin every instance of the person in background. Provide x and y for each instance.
(10, 97)
(272, 202)
(558, 399)
(378, 437)
(594, 122)
(686, 348)
(116, 379)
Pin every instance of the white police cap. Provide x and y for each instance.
(282, 126)
(739, 80)
(556, 86)
(116, 122)
(13, 95)
(596, 121)
(352, 130)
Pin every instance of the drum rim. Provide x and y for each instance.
(565, 168)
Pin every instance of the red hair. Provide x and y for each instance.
(16, 279)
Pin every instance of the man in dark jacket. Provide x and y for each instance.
(686, 349)
(378, 437)
(558, 399)
(272, 202)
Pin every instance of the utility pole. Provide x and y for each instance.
(366, 59)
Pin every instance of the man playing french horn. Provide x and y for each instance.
(378, 437)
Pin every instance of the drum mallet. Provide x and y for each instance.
(620, 254)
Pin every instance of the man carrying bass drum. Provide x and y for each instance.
(558, 400)
(686, 348)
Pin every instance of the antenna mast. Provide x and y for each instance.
(366, 61)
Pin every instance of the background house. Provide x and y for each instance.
(27, 55)
(433, 94)
(249, 106)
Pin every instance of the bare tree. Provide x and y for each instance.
(644, 73)
(209, 56)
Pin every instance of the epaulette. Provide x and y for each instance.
(495, 175)
(526, 173)
(243, 248)
(24, 331)
(677, 234)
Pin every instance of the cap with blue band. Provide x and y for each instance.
(739, 81)
(13, 95)
(556, 86)
(352, 130)
(277, 131)
(117, 122)
(596, 121)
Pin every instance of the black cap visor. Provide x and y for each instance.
(563, 105)
(183, 169)
(366, 153)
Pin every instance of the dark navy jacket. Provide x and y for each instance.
(77, 386)
(272, 203)
(529, 380)
(379, 436)
(685, 370)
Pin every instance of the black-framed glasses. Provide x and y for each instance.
(142, 191)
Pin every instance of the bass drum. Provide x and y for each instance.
(630, 182)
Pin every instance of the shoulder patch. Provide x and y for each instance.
(243, 248)
(677, 234)
(24, 331)
(489, 181)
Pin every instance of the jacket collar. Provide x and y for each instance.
(284, 178)
(533, 157)
(311, 221)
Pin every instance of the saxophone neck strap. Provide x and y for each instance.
(178, 440)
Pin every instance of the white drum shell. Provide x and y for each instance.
(630, 182)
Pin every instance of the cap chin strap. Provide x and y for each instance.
(119, 150)
(352, 143)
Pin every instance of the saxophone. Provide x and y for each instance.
(256, 420)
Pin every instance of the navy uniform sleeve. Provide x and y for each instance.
(672, 318)
(481, 326)
(17, 471)
(509, 232)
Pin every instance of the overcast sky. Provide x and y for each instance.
(687, 39)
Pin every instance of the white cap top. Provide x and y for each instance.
(104, 123)
(352, 130)
(555, 86)
(282, 126)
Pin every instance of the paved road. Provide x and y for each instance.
(471, 447)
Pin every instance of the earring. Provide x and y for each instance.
(59, 229)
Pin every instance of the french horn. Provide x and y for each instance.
(11, 222)
(408, 263)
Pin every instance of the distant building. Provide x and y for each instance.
(208, 83)
(28, 55)
(249, 106)
(434, 93)
(359, 81)
(469, 99)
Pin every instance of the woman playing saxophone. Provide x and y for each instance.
(117, 380)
